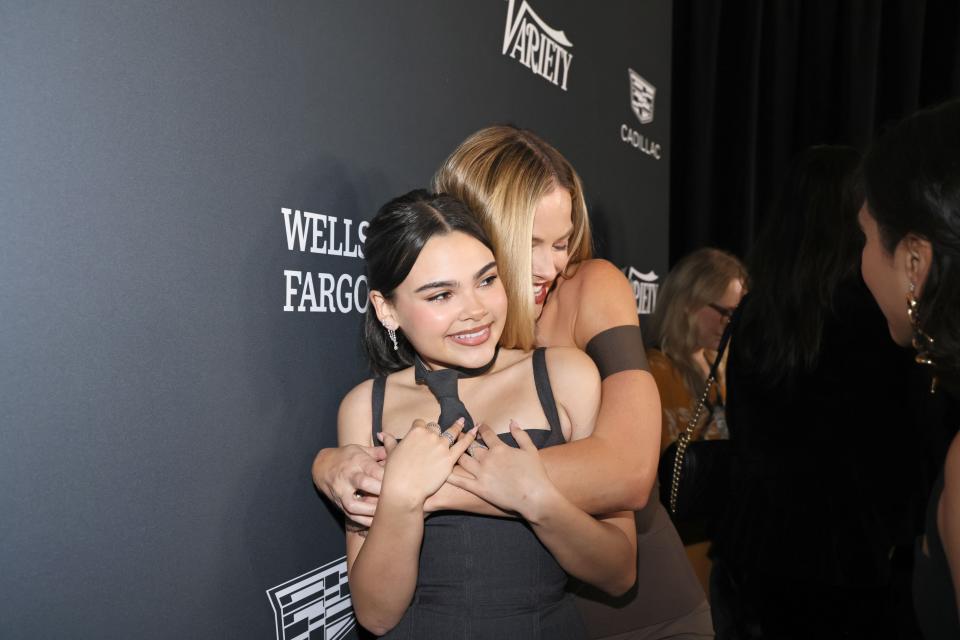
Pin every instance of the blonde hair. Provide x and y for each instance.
(697, 280)
(501, 173)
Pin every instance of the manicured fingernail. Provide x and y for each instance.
(380, 436)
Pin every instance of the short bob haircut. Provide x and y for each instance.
(395, 238)
(501, 173)
(912, 186)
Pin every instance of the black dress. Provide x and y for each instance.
(933, 589)
(824, 481)
(486, 577)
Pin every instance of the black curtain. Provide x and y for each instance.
(756, 81)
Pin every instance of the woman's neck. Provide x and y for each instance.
(429, 366)
(699, 360)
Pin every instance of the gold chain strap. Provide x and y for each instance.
(683, 441)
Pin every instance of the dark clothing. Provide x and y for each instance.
(933, 588)
(484, 577)
(666, 602)
(824, 476)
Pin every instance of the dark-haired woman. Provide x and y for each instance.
(432, 329)
(815, 394)
(529, 199)
(911, 263)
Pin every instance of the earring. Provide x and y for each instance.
(392, 334)
(922, 341)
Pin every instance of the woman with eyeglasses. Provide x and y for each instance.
(694, 306)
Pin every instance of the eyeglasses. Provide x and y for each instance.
(724, 312)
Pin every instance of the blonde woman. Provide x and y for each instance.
(530, 201)
(694, 306)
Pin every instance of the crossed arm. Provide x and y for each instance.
(600, 551)
(612, 469)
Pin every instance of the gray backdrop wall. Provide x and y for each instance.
(162, 393)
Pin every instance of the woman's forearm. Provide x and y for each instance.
(384, 574)
(598, 476)
(595, 551)
(451, 498)
(615, 468)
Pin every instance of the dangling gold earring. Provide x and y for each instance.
(922, 341)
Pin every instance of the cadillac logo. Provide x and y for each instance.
(642, 94)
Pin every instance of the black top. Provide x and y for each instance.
(825, 471)
(933, 589)
(486, 577)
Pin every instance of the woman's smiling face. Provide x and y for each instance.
(552, 228)
(451, 306)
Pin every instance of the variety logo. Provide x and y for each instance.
(315, 605)
(645, 288)
(537, 46)
(642, 95)
(316, 233)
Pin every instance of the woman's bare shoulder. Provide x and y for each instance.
(604, 299)
(356, 409)
(358, 395)
(356, 415)
(569, 361)
(597, 271)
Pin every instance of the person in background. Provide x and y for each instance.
(530, 201)
(694, 306)
(911, 264)
(815, 398)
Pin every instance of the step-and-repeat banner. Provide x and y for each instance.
(184, 194)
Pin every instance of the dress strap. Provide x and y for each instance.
(541, 379)
(376, 398)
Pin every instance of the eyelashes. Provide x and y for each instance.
(443, 296)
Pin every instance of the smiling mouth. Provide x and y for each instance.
(473, 337)
(540, 292)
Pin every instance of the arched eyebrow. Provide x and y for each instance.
(486, 267)
(453, 284)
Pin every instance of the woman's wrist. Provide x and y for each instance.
(401, 500)
(324, 471)
(540, 503)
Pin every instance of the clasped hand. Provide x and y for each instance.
(512, 479)
(417, 466)
(504, 476)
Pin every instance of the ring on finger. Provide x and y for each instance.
(474, 446)
(449, 437)
(357, 495)
(434, 425)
